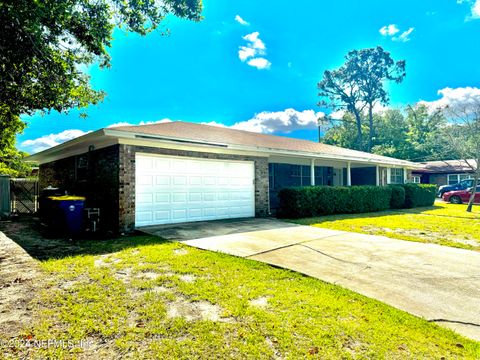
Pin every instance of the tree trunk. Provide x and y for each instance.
(358, 120)
(474, 188)
(372, 130)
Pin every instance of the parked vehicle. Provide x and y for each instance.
(462, 185)
(461, 196)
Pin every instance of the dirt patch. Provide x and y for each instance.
(261, 302)
(124, 275)
(148, 275)
(188, 278)
(19, 278)
(105, 261)
(180, 252)
(195, 310)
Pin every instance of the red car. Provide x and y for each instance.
(461, 196)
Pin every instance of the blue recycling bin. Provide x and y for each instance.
(70, 209)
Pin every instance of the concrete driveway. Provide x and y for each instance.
(438, 283)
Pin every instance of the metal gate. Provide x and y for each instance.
(24, 196)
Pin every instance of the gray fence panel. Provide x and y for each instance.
(4, 195)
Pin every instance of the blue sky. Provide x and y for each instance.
(255, 64)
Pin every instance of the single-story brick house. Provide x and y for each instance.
(181, 172)
(444, 172)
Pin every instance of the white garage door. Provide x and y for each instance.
(179, 189)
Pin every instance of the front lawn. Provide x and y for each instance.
(444, 224)
(155, 299)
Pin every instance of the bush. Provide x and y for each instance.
(324, 200)
(419, 195)
(398, 197)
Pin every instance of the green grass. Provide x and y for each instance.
(444, 224)
(123, 303)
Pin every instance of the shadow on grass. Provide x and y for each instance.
(39, 244)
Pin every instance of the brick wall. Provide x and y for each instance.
(127, 179)
(99, 181)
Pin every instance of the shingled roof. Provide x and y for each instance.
(447, 166)
(228, 136)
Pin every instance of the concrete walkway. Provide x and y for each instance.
(438, 283)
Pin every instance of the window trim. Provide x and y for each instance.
(396, 176)
(458, 176)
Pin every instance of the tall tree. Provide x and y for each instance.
(359, 85)
(425, 134)
(44, 45)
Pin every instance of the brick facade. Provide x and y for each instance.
(108, 180)
(97, 180)
(127, 179)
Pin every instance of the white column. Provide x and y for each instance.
(349, 174)
(377, 175)
(312, 172)
(405, 175)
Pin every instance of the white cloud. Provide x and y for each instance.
(48, 141)
(404, 37)
(254, 52)
(259, 63)
(254, 40)
(389, 30)
(455, 99)
(245, 52)
(476, 10)
(122, 123)
(286, 121)
(392, 30)
(241, 21)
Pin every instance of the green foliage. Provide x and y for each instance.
(359, 84)
(397, 200)
(412, 134)
(323, 200)
(307, 201)
(417, 195)
(10, 158)
(45, 44)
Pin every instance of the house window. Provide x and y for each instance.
(295, 170)
(81, 168)
(396, 176)
(416, 179)
(456, 178)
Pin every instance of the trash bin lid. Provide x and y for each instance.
(66, 197)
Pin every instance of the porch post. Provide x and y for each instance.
(377, 175)
(405, 175)
(349, 174)
(312, 172)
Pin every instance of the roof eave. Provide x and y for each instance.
(133, 135)
(43, 155)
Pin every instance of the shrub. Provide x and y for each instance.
(398, 197)
(324, 200)
(419, 195)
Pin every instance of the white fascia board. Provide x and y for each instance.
(72, 147)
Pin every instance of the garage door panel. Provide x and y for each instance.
(162, 165)
(172, 189)
(162, 216)
(162, 198)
